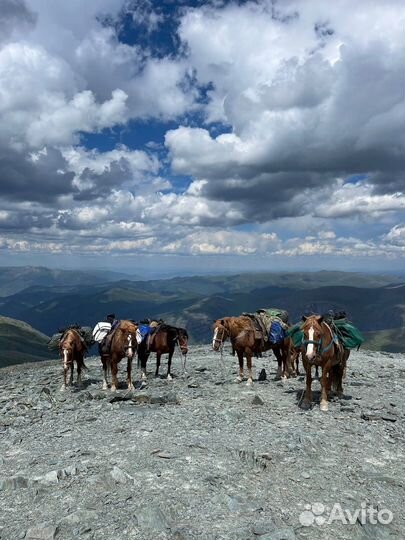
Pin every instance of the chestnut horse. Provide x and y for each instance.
(321, 347)
(122, 345)
(163, 341)
(241, 332)
(71, 349)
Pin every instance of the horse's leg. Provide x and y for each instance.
(143, 355)
(316, 372)
(72, 365)
(79, 370)
(326, 380)
(239, 378)
(297, 364)
(277, 354)
(129, 373)
(158, 356)
(114, 371)
(65, 371)
(306, 404)
(286, 362)
(169, 365)
(249, 366)
(105, 360)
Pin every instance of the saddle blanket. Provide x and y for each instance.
(142, 332)
(100, 331)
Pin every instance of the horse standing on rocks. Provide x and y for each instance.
(245, 343)
(72, 348)
(163, 341)
(122, 344)
(321, 347)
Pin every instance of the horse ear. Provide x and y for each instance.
(222, 322)
(320, 319)
(303, 318)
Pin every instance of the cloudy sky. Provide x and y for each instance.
(176, 136)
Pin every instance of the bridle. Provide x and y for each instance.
(181, 341)
(318, 343)
(220, 335)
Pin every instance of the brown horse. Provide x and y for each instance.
(241, 332)
(163, 341)
(320, 347)
(71, 349)
(295, 353)
(122, 345)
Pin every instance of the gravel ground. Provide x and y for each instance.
(202, 457)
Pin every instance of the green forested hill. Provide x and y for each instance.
(20, 343)
(47, 308)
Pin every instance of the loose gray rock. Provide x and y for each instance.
(199, 463)
(41, 532)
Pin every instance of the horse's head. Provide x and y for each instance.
(312, 330)
(182, 340)
(126, 337)
(221, 333)
(66, 347)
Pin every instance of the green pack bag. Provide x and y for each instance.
(349, 336)
(296, 335)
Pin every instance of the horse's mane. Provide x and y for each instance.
(127, 326)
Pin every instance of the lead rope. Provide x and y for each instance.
(221, 361)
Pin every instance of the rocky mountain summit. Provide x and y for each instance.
(202, 457)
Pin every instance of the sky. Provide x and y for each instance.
(202, 136)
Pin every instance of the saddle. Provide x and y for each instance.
(105, 345)
(150, 338)
(258, 327)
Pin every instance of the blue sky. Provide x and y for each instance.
(172, 137)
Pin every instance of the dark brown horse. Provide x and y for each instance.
(72, 349)
(122, 345)
(163, 341)
(245, 343)
(320, 347)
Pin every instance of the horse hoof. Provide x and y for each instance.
(249, 382)
(130, 387)
(113, 388)
(306, 405)
(169, 377)
(63, 388)
(238, 379)
(144, 377)
(284, 377)
(324, 406)
(105, 386)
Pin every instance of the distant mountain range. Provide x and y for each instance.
(14, 279)
(20, 343)
(374, 303)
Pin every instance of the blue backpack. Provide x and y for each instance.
(276, 333)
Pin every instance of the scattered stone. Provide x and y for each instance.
(13, 482)
(120, 476)
(262, 528)
(164, 455)
(152, 518)
(257, 400)
(41, 532)
(282, 533)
